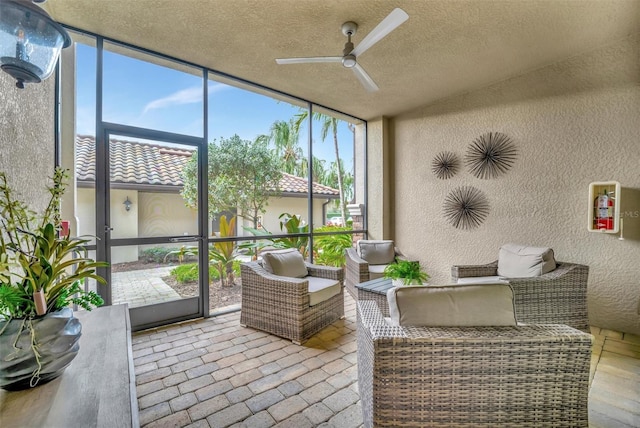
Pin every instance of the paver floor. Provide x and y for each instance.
(142, 287)
(215, 373)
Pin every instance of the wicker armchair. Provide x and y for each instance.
(518, 376)
(557, 297)
(357, 270)
(281, 305)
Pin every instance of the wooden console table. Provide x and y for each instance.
(98, 389)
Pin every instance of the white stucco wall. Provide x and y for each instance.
(124, 223)
(289, 205)
(379, 180)
(573, 122)
(27, 138)
(165, 214)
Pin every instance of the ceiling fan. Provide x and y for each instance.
(349, 54)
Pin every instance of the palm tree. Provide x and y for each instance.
(285, 136)
(328, 124)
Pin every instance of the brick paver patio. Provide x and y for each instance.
(142, 287)
(215, 373)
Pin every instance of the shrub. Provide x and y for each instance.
(185, 273)
(189, 272)
(329, 249)
(161, 255)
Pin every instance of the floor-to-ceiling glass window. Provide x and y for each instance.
(183, 174)
(334, 140)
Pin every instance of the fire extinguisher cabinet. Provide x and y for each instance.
(604, 207)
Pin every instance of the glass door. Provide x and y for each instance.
(152, 238)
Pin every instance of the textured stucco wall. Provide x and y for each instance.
(573, 122)
(27, 138)
(379, 180)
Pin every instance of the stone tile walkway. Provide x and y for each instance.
(214, 373)
(142, 287)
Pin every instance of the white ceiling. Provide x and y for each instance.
(445, 48)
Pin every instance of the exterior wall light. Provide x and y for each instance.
(30, 41)
(127, 204)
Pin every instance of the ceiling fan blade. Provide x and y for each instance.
(387, 25)
(364, 78)
(309, 60)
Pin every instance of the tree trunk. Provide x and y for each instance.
(343, 211)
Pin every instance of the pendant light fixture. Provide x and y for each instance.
(30, 41)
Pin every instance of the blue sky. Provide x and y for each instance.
(151, 96)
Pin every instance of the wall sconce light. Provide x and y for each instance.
(30, 41)
(127, 204)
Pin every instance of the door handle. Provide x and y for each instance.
(108, 229)
(184, 239)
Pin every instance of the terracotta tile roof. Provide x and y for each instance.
(150, 164)
(292, 184)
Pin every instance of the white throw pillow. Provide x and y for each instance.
(287, 262)
(376, 252)
(519, 261)
(452, 305)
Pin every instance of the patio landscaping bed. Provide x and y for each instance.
(219, 296)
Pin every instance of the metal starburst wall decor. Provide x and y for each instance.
(445, 165)
(490, 155)
(466, 207)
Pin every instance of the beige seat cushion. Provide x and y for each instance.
(321, 289)
(519, 261)
(452, 305)
(376, 252)
(376, 271)
(287, 262)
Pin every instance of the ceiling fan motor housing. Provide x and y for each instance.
(348, 59)
(348, 29)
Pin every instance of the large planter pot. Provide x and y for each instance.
(55, 337)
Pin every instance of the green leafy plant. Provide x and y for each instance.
(158, 255)
(40, 269)
(289, 223)
(408, 271)
(189, 272)
(221, 254)
(329, 249)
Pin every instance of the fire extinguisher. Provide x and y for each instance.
(603, 207)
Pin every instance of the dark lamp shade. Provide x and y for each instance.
(30, 41)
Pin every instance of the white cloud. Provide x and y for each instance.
(184, 96)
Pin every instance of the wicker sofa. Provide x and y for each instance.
(515, 376)
(558, 297)
(281, 305)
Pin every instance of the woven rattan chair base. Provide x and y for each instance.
(524, 376)
(280, 305)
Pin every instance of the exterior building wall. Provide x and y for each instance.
(573, 122)
(165, 214)
(379, 180)
(27, 138)
(125, 223)
(291, 205)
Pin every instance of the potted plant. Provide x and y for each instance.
(405, 272)
(41, 275)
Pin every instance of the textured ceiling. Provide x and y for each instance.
(446, 47)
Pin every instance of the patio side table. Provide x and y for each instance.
(376, 290)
